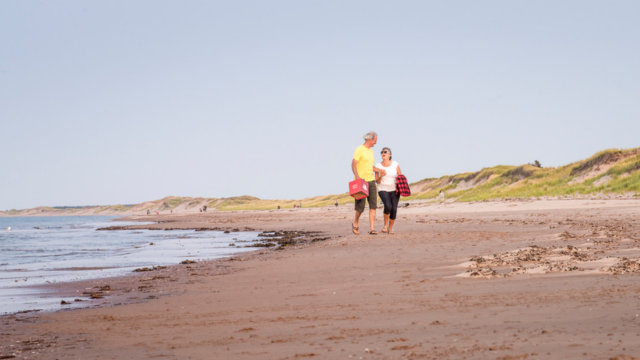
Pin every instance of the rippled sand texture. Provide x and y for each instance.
(492, 280)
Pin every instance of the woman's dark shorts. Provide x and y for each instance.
(372, 198)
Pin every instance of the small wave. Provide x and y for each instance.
(51, 255)
(82, 268)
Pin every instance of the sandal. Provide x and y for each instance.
(355, 229)
(373, 232)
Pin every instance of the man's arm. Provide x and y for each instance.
(354, 168)
(378, 178)
(381, 172)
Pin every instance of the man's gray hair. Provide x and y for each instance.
(370, 135)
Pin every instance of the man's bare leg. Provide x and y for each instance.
(355, 223)
(372, 218)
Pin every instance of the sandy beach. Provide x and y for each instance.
(555, 279)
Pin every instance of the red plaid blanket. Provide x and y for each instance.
(402, 186)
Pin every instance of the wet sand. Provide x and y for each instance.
(491, 280)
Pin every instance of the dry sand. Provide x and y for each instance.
(496, 280)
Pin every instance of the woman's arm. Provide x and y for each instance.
(398, 170)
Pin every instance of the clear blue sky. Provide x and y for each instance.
(106, 102)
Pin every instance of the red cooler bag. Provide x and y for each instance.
(358, 189)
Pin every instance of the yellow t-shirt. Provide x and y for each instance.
(365, 159)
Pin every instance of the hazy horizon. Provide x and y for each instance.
(121, 102)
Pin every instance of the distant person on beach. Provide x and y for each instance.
(148, 212)
(387, 188)
(300, 205)
(336, 203)
(441, 196)
(362, 167)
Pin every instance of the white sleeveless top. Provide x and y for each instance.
(388, 182)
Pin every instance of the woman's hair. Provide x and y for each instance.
(370, 135)
(390, 153)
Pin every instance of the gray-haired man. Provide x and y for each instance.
(362, 167)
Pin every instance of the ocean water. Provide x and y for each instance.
(46, 250)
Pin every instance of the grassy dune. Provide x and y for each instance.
(258, 204)
(612, 171)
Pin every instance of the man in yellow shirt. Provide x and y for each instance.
(362, 167)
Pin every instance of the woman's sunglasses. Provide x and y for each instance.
(384, 152)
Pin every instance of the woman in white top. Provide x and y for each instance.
(387, 188)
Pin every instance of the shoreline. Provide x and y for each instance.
(433, 201)
(82, 293)
(379, 297)
(112, 291)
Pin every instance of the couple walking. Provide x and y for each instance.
(381, 177)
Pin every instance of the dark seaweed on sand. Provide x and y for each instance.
(284, 238)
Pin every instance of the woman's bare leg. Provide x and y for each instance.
(386, 222)
(391, 226)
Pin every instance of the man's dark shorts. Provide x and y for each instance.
(372, 198)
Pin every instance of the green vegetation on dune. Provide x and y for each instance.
(120, 208)
(47, 209)
(253, 203)
(112, 208)
(610, 171)
(172, 202)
